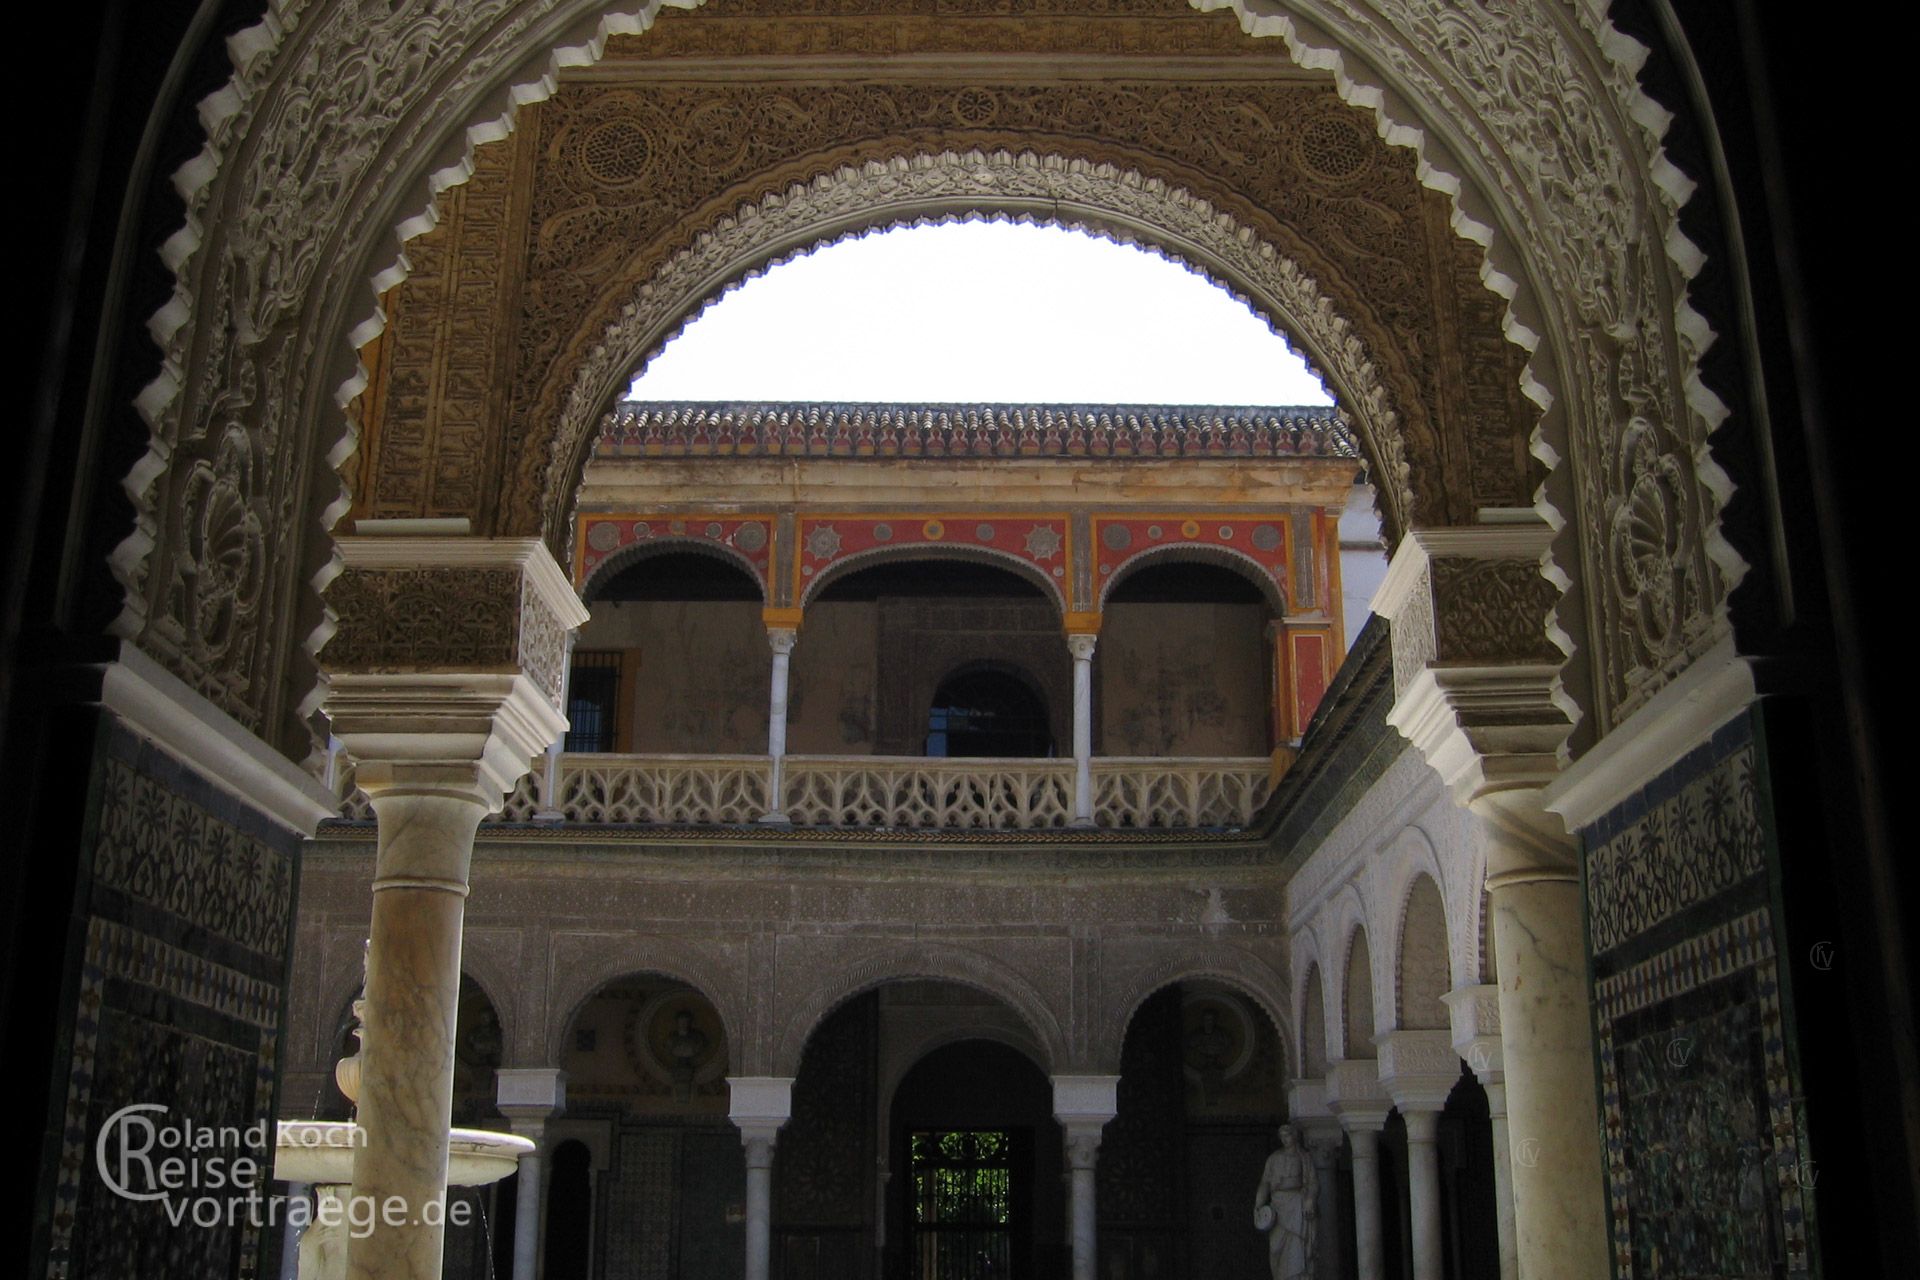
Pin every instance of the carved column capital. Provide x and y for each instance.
(1083, 1105)
(447, 664)
(758, 1106)
(1418, 1069)
(781, 640)
(529, 1097)
(1475, 1014)
(1081, 645)
(1356, 1096)
(1475, 672)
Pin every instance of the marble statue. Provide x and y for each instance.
(1285, 1207)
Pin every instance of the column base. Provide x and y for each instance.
(775, 819)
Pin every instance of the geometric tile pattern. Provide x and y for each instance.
(1677, 843)
(1707, 1166)
(188, 899)
(1704, 1164)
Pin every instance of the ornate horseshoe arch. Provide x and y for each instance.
(1116, 204)
(1566, 187)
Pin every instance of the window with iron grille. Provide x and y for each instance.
(593, 702)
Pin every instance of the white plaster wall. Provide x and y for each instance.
(1360, 876)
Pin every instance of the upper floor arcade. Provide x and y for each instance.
(953, 616)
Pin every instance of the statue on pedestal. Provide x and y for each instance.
(1286, 1207)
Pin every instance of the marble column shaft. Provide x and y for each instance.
(1083, 1155)
(781, 640)
(1502, 1179)
(1081, 645)
(528, 1201)
(425, 843)
(1368, 1260)
(1553, 1119)
(759, 1206)
(1423, 1191)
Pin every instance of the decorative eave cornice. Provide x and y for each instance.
(673, 428)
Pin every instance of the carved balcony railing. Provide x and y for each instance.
(1192, 792)
(943, 794)
(884, 792)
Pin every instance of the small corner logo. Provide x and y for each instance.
(1679, 1051)
(1526, 1152)
(1821, 956)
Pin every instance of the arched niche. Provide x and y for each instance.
(1313, 1025)
(1423, 974)
(828, 989)
(1357, 1029)
(1184, 664)
(647, 1044)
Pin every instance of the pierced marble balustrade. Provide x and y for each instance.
(899, 792)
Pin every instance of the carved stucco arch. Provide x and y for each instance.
(337, 133)
(707, 969)
(1396, 865)
(1025, 570)
(1237, 562)
(1122, 205)
(1313, 983)
(1231, 966)
(901, 962)
(1355, 934)
(626, 557)
(1403, 963)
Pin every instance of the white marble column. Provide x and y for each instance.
(1354, 1094)
(1423, 1191)
(426, 827)
(438, 747)
(1363, 1134)
(1546, 1040)
(1081, 645)
(1502, 1180)
(1083, 1105)
(781, 640)
(1419, 1069)
(529, 1097)
(759, 1106)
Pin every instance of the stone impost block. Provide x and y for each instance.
(1355, 1094)
(1085, 1102)
(1476, 1029)
(1475, 671)
(759, 1105)
(447, 665)
(530, 1092)
(1418, 1069)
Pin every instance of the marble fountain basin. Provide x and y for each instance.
(321, 1152)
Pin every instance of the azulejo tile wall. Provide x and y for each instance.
(179, 995)
(1708, 1170)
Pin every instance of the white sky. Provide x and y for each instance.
(981, 312)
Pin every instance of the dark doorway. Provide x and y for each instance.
(976, 1192)
(569, 1212)
(988, 711)
(1468, 1223)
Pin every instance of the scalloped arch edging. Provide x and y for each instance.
(1116, 204)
